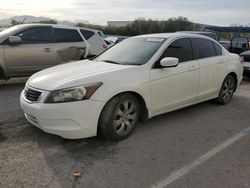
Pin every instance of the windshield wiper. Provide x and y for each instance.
(109, 61)
(120, 63)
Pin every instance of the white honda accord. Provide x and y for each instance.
(137, 79)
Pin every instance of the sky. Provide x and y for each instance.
(214, 12)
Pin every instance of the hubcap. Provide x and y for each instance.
(228, 89)
(125, 117)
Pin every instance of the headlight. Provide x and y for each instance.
(73, 94)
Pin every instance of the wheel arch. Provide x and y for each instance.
(234, 75)
(144, 113)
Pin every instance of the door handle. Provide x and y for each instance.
(47, 50)
(195, 67)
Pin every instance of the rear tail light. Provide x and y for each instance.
(241, 60)
(105, 46)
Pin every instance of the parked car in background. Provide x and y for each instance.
(225, 44)
(246, 62)
(239, 45)
(137, 79)
(28, 48)
(115, 38)
(109, 43)
(96, 41)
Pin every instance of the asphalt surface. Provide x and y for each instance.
(32, 158)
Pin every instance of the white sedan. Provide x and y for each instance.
(137, 79)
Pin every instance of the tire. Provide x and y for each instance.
(2, 76)
(227, 90)
(119, 117)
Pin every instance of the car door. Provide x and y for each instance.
(175, 87)
(69, 45)
(96, 42)
(212, 67)
(35, 52)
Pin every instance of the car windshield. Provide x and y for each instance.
(132, 51)
(239, 42)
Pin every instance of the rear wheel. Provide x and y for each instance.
(2, 76)
(227, 90)
(119, 117)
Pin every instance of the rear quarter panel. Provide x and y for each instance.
(233, 65)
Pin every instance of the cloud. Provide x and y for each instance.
(223, 12)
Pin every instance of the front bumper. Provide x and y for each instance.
(72, 120)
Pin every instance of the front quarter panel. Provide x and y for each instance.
(134, 79)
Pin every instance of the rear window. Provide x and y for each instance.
(87, 34)
(67, 35)
(217, 49)
(205, 48)
(181, 49)
(100, 34)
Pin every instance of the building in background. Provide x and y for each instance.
(118, 23)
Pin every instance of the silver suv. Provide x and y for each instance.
(28, 48)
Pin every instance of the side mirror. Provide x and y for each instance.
(169, 62)
(15, 40)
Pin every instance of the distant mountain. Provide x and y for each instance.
(32, 19)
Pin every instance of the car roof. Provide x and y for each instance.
(55, 26)
(197, 32)
(155, 35)
(176, 34)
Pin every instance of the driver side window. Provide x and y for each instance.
(36, 35)
(181, 49)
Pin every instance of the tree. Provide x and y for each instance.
(14, 22)
(146, 26)
(48, 22)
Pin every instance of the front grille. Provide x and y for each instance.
(32, 95)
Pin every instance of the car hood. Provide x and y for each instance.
(71, 74)
(246, 53)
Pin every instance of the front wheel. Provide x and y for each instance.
(227, 90)
(119, 117)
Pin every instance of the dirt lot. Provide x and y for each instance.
(157, 149)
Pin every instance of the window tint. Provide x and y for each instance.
(217, 49)
(107, 42)
(205, 48)
(35, 35)
(87, 34)
(239, 42)
(67, 35)
(100, 34)
(181, 49)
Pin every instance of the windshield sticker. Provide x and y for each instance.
(154, 39)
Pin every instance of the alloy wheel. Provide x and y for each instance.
(228, 89)
(125, 117)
